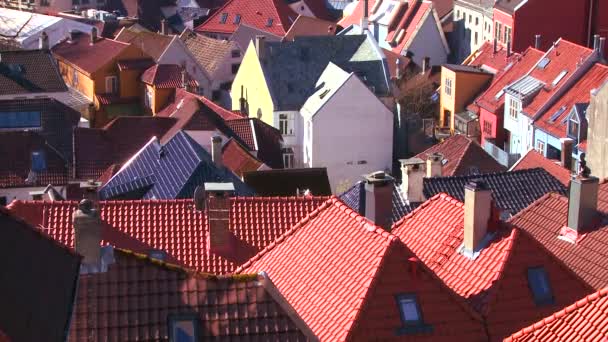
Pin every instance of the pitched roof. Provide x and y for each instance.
(533, 159)
(273, 16)
(463, 156)
(95, 149)
(248, 305)
(487, 59)
(494, 283)
(238, 160)
(17, 149)
(164, 76)
(287, 182)
(508, 6)
(513, 191)
(292, 68)
(174, 226)
(209, 53)
(544, 220)
(556, 124)
(261, 137)
(168, 171)
(29, 71)
(244, 34)
(338, 271)
(181, 96)
(88, 58)
(38, 282)
(310, 26)
(355, 198)
(582, 321)
(151, 43)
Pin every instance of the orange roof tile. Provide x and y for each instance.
(533, 159)
(238, 159)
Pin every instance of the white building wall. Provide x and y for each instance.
(23, 194)
(478, 24)
(295, 140)
(352, 135)
(428, 42)
(521, 130)
(56, 32)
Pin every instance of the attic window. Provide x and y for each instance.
(324, 93)
(411, 315)
(543, 63)
(184, 328)
(538, 281)
(559, 77)
(223, 18)
(237, 19)
(269, 22)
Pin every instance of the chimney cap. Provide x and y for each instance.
(216, 139)
(85, 205)
(435, 156)
(219, 187)
(378, 177)
(411, 161)
(476, 185)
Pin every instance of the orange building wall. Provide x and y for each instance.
(465, 86)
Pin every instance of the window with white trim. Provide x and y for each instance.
(288, 158)
(448, 87)
(286, 123)
(514, 108)
(540, 147)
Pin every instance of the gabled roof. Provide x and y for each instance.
(29, 71)
(38, 282)
(151, 43)
(339, 271)
(584, 320)
(287, 182)
(174, 226)
(494, 283)
(330, 82)
(554, 123)
(258, 14)
(544, 220)
(463, 156)
(236, 158)
(513, 191)
(88, 58)
(182, 96)
(168, 171)
(210, 53)
(533, 159)
(355, 198)
(509, 6)
(95, 149)
(261, 137)
(293, 68)
(249, 305)
(486, 59)
(244, 34)
(164, 76)
(310, 26)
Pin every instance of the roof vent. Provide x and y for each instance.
(543, 63)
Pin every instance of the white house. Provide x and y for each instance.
(473, 22)
(24, 28)
(345, 128)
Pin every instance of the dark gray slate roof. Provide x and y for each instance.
(169, 171)
(293, 68)
(513, 191)
(29, 71)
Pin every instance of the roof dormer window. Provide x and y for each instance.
(223, 18)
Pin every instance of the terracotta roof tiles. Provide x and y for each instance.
(166, 76)
(236, 158)
(209, 53)
(152, 44)
(533, 159)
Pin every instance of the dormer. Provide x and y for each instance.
(576, 122)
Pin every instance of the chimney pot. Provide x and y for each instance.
(425, 64)
(566, 153)
(87, 233)
(364, 19)
(412, 175)
(537, 41)
(379, 198)
(582, 202)
(477, 216)
(434, 165)
(602, 47)
(216, 150)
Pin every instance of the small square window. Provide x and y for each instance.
(183, 328)
(236, 53)
(223, 18)
(538, 281)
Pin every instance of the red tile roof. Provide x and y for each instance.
(137, 296)
(174, 226)
(238, 159)
(181, 96)
(544, 220)
(533, 159)
(520, 66)
(566, 56)
(88, 58)
(494, 284)
(578, 93)
(166, 76)
(341, 274)
(493, 62)
(464, 156)
(252, 13)
(585, 320)
(310, 26)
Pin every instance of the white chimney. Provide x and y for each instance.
(412, 175)
(537, 41)
(434, 165)
(216, 150)
(87, 233)
(477, 216)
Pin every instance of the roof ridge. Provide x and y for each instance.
(441, 195)
(332, 201)
(559, 314)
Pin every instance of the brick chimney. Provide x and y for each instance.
(260, 47)
(582, 202)
(216, 150)
(87, 233)
(412, 175)
(220, 241)
(566, 153)
(434, 165)
(379, 198)
(477, 216)
(43, 41)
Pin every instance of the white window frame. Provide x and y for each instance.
(540, 147)
(448, 87)
(514, 108)
(111, 84)
(288, 159)
(286, 124)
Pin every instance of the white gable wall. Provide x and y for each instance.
(428, 42)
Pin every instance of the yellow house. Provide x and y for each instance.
(104, 70)
(459, 86)
(250, 91)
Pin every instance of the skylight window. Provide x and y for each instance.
(559, 77)
(543, 63)
(538, 281)
(499, 94)
(237, 19)
(411, 315)
(269, 22)
(183, 328)
(223, 18)
(557, 114)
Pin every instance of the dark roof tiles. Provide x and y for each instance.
(29, 71)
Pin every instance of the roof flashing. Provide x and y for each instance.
(474, 254)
